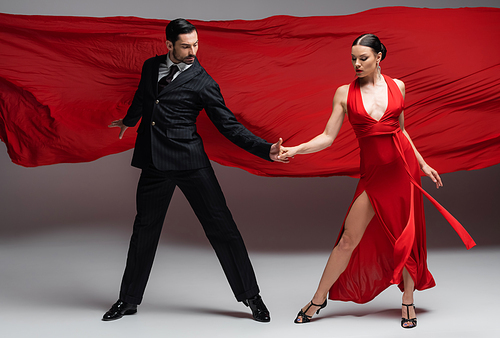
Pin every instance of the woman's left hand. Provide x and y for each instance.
(287, 153)
(433, 174)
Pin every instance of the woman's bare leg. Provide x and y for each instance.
(355, 225)
(409, 287)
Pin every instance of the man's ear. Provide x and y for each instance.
(170, 45)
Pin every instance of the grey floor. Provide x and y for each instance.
(59, 284)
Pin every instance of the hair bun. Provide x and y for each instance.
(383, 50)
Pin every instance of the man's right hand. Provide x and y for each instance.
(119, 123)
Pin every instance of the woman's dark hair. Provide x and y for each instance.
(372, 41)
(176, 27)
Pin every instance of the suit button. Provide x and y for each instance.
(153, 123)
(157, 101)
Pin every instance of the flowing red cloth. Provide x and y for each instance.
(395, 237)
(64, 79)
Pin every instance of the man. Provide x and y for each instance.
(172, 91)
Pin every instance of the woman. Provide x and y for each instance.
(382, 241)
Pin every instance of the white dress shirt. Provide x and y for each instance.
(164, 68)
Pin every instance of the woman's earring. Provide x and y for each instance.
(379, 69)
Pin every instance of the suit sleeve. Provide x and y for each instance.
(134, 112)
(226, 123)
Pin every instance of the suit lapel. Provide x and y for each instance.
(183, 77)
(154, 75)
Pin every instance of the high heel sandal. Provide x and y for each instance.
(306, 318)
(412, 321)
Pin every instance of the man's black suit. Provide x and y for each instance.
(170, 153)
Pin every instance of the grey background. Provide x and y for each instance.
(274, 214)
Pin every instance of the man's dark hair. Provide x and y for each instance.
(176, 27)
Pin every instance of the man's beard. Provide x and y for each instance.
(174, 54)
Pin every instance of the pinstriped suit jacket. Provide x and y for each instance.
(167, 134)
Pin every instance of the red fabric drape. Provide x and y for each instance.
(64, 79)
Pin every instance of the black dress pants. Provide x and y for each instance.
(202, 190)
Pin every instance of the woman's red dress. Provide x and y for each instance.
(395, 237)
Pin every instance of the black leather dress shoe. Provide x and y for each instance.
(119, 309)
(259, 310)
